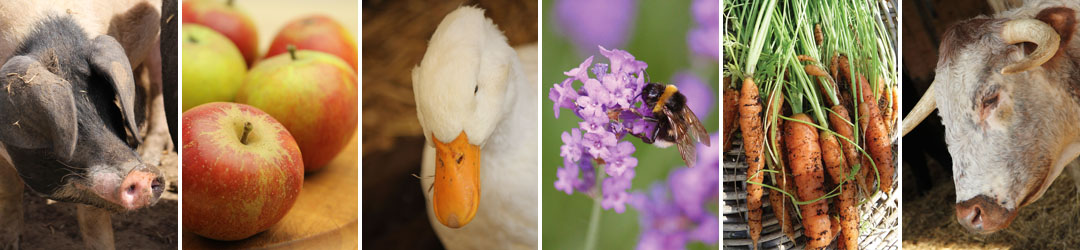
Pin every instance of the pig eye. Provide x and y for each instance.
(476, 89)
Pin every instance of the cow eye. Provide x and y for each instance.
(990, 100)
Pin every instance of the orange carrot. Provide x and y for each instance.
(833, 66)
(804, 159)
(845, 203)
(780, 205)
(753, 144)
(818, 37)
(814, 70)
(877, 136)
(849, 216)
(731, 113)
(832, 156)
(839, 119)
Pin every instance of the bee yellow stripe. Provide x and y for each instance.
(668, 92)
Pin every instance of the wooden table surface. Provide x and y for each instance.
(324, 216)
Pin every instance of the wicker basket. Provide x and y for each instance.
(878, 223)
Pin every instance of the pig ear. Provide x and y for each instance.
(37, 108)
(1063, 20)
(108, 59)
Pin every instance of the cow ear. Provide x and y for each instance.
(1063, 20)
(107, 58)
(37, 108)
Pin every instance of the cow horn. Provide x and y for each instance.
(1034, 31)
(926, 105)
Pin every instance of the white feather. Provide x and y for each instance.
(467, 53)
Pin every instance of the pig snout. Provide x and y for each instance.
(983, 215)
(140, 188)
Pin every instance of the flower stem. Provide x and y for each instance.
(594, 218)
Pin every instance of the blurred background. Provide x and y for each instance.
(395, 37)
(655, 32)
(929, 220)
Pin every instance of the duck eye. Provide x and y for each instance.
(476, 89)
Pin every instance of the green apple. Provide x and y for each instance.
(213, 68)
(314, 94)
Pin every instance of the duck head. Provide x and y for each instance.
(461, 87)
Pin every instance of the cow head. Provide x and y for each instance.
(1007, 92)
(67, 120)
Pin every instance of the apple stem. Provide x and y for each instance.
(247, 130)
(229, 3)
(292, 51)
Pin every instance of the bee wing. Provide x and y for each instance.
(685, 141)
(696, 129)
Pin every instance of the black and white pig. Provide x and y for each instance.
(70, 109)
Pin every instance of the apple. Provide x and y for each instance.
(215, 70)
(313, 94)
(319, 33)
(228, 20)
(242, 171)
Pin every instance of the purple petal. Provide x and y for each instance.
(567, 177)
(563, 95)
(580, 73)
(707, 230)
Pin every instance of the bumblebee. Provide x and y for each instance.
(675, 122)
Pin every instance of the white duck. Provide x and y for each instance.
(476, 96)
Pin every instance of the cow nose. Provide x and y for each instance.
(983, 215)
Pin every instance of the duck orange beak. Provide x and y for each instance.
(456, 191)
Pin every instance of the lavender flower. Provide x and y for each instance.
(704, 39)
(591, 23)
(673, 214)
(613, 90)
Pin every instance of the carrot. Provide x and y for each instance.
(839, 119)
(804, 158)
(789, 228)
(833, 66)
(836, 165)
(849, 216)
(753, 142)
(865, 177)
(781, 205)
(731, 113)
(832, 156)
(814, 70)
(877, 136)
(818, 37)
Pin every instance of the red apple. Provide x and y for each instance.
(319, 33)
(226, 19)
(242, 171)
(313, 94)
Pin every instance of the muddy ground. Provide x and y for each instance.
(1052, 222)
(54, 226)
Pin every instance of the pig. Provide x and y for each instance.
(1007, 88)
(71, 115)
